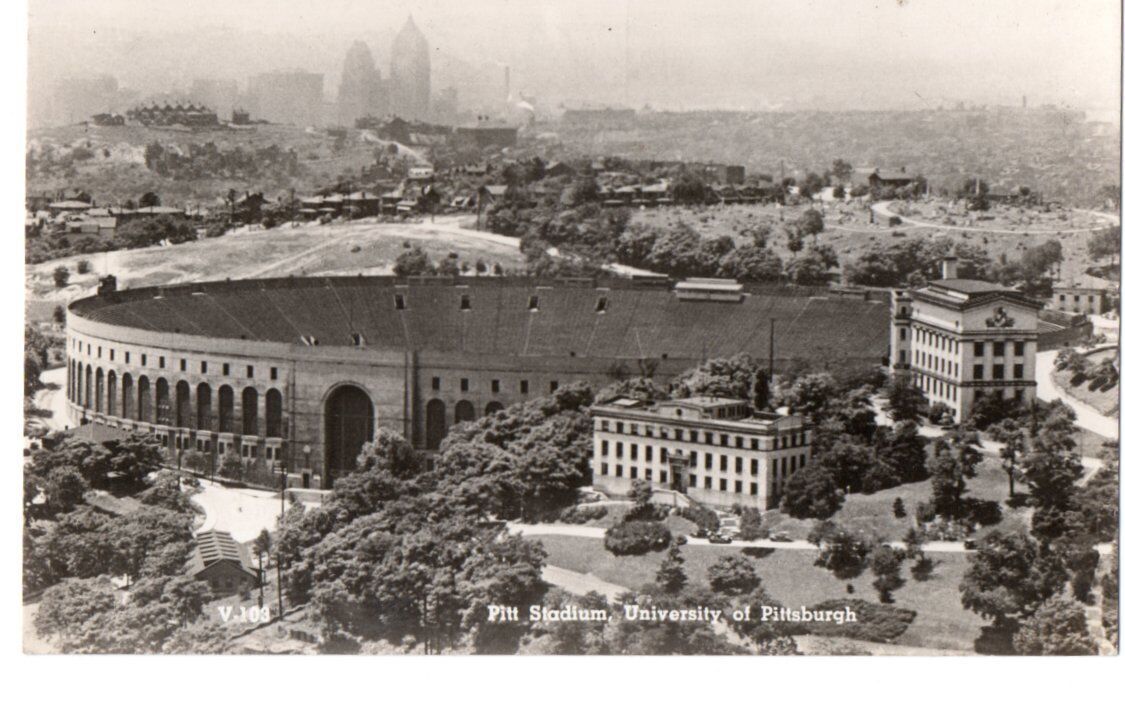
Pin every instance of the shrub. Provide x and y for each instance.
(83, 266)
(898, 508)
(637, 537)
(701, 516)
(750, 526)
(878, 623)
(939, 412)
(61, 276)
(575, 514)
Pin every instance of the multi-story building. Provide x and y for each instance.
(1084, 294)
(960, 339)
(717, 451)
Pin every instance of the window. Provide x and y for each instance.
(998, 372)
(1019, 396)
(753, 489)
(738, 441)
(679, 434)
(707, 482)
(648, 475)
(605, 447)
(523, 387)
(600, 308)
(723, 463)
(203, 367)
(620, 449)
(250, 371)
(183, 364)
(663, 476)
(605, 469)
(802, 459)
(400, 302)
(633, 473)
(273, 373)
(738, 485)
(161, 362)
(707, 437)
(648, 453)
(902, 334)
(754, 467)
(1017, 371)
(998, 349)
(694, 436)
(694, 458)
(495, 386)
(99, 351)
(663, 455)
(722, 485)
(465, 304)
(554, 385)
(435, 383)
(464, 384)
(723, 439)
(533, 303)
(738, 466)
(620, 427)
(691, 480)
(1062, 298)
(978, 349)
(978, 372)
(127, 354)
(620, 471)
(111, 354)
(707, 460)
(1017, 348)
(632, 451)
(226, 368)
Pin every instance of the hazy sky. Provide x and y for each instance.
(668, 53)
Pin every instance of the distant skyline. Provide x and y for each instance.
(717, 54)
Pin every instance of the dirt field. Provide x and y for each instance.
(348, 248)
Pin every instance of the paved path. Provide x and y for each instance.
(53, 399)
(1088, 417)
(243, 512)
(578, 583)
(884, 208)
(533, 529)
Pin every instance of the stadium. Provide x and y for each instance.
(297, 373)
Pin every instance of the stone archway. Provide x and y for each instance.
(435, 424)
(349, 422)
(492, 408)
(464, 411)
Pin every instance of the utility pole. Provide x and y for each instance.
(771, 350)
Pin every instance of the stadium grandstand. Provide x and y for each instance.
(297, 373)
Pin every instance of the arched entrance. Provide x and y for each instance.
(464, 411)
(203, 407)
(249, 412)
(111, 393)
(183, 404)
(349, 422)
(492, 408)
(128, 399)
(226, 409)
(435, 424)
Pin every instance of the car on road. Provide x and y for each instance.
(719, 538)
(970, 544)
(780, 537)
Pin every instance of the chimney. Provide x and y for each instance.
(949, 268)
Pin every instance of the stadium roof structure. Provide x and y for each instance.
(604, 318)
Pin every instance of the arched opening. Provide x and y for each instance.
(128, 401)
(492, 408)
(349, 422)
(70, 380)
(435, 424)
(203, 407)
(99, 391)
(111, 393)
(183, 404)
(163, 403)
(273, 414)
(144, 400)
(226, 409)
(89, 382)
(464, 411)
(249, 412)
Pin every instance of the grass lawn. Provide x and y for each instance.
(790, 577)
(1106, 400)
(873, 513)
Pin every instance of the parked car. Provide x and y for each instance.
(718, 538)
(970, 544)
(780, 537)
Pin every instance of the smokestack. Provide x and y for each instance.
(949, 268)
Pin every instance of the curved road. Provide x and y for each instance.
(884, 208)
(1088, 417)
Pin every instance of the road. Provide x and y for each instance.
(1088, 417)
(884, 208)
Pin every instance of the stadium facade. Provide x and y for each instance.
(299, 372)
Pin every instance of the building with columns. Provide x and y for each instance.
(300, 372)
(715, 450)
(960, 339)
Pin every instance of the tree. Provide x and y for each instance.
(841, 169)
(751, 263)
(61, 276)
(810, 223)
(1009, 577)
(811, 493)
(899, 508)
(750, 525)
(1051, 479)
(59, 315)
(905, 401)
(414, 262)
(839, 551)
(733, 575)
(904, 450)
(735, 378)
(1010, 434)
(231, 466)
(1058, 627)
(954, 462)
(762, 389)
(150, 199)
(671, 577)
(640, 493)
(886, 563)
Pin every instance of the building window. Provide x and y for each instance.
(753, 489)
(723, 463)
(648, 453)
(722, 485)
(111, 354)
(1017, 348)
(978, 372)
(533, 303)
(400, 302)
(902, 334)
(978, 349)
(464, 384)
(663, 476)
(723, 439)
(203, 367)
(632, 451)
(633, 473)
(691, 480)
(679, 434)
(738, 441)
(707, 482)
(802, 459)
(127, 356)
(620, 449)
(998, 349)
(620, 471)
(605, 469)
(161, 362)
(183, 364)
(754, 467)
(707, 437)
(738, 465)
(605, 447)
(523, 387)
(663, 455)
(554, 385)
(495, 386)
(998, 372)
(648, 475)
(226, 368)
(465, 303)
(693, 436)
(435, 383)
(603, 302)
(707, 460)
(1017, 371)
(273, 373)
(738, 486)
(1019, 396)
(144, 359)
(753, 444)
(694, 458)
(250, 371)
